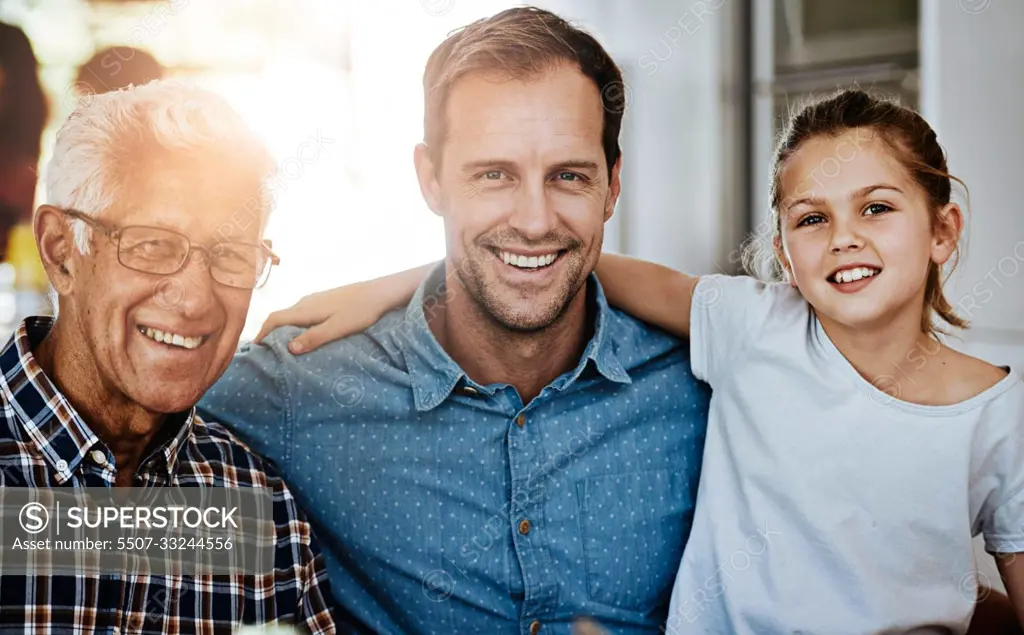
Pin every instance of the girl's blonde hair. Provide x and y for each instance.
(911, 141)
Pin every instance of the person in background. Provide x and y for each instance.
(23, 115)
(117, 67)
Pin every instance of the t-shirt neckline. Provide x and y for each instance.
(884, 398)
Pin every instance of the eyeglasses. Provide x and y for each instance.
(164, 252)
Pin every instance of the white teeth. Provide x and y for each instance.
(527, 262)
(171, 338)
(852, 275)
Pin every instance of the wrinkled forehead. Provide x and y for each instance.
(206, 197)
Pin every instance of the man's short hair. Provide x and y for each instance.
(111, 139)
(520, 43)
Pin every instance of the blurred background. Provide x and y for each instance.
(334, 88)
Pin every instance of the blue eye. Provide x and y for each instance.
(878, 208)
(811, 219)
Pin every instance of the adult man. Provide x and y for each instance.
(529, 455)
(151, 240)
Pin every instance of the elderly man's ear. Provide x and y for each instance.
(56, 243)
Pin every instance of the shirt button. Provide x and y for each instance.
(534, 627)
(62, 465)
(524, 527)
(521, 420)
(469, 390)
(99, 457)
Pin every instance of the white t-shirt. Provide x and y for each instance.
(826, 504)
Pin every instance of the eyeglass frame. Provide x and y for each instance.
(113, 231)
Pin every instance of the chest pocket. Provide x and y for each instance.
(634, 528)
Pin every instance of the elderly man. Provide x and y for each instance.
(507, 453)
(151, 240)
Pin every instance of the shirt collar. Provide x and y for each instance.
(180, 428)
(434, 374)
(62, 437)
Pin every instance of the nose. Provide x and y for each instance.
(845, 237)
(533, 215)
(189, 291)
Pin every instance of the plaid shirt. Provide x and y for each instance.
(44, 443)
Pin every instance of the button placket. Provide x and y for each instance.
(526, 454)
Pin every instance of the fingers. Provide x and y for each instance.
(311, 309)
(586, 626)
(273, 321)
(294, 315)
(316, 336)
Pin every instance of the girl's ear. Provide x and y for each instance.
(780, 255)
(946, 230)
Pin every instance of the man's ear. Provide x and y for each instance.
(780, 254)
(56, 244)
(427, 174)
(614, 188)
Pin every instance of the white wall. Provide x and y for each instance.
(677, 206)
(972, 95)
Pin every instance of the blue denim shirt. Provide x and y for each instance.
(447, 506)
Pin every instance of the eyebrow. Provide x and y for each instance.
(576, 164)
(862, 192)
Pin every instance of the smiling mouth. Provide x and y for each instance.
(528, 262)
(172, 339)
(854, 274)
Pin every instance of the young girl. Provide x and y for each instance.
(850, 455)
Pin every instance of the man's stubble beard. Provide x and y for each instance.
(473, 279)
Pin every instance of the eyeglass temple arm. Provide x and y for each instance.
(274, 258)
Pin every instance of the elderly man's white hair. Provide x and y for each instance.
(109, 139)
